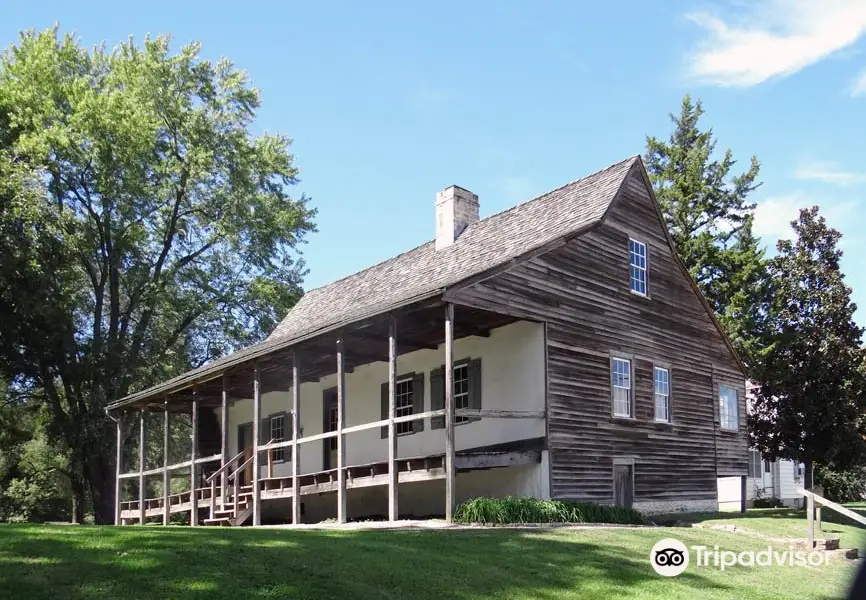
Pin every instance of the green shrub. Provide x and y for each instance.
(842, 486)
(768, 502)
(502, 511)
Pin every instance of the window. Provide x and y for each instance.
(638, 266)
(728, 417)
(621, 387)
(405, 403)
(662, 378)
(754, 464)
(461, 391)
(768, 466)
(278, 429)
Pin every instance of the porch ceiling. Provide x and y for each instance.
(419, 326)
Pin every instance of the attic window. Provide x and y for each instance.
(638, 266)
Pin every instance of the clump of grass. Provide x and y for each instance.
(509, 510)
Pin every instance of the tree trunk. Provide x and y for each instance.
(101, 479)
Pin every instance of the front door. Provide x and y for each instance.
(329, 423)
(245, 444)
(623, 484)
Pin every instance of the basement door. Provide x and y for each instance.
(329, 423)
(623, 485)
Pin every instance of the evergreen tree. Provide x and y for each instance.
(710, 219)
(813, 393)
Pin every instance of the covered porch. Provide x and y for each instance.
(229, 484)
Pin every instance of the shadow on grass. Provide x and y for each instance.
(78, 563)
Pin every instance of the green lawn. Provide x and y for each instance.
(786, 523)
(132, 563)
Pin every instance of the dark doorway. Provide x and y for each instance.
(623, 485)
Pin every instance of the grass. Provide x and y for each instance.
(144, 563)
(508, 510)
(784, 523)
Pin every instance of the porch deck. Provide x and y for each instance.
(222, 508)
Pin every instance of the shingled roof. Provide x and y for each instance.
(425, 271)
(483, 245)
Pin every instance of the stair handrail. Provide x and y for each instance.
(225, 466)
(813, 499)
(246, 462)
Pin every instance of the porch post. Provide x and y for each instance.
(341, 447)
(166, 476)
(224, 444)
(449, 413)
(257, 415)
(141, 468)
(119, 469)
(296, 405)
(393, 509)
(193, 468)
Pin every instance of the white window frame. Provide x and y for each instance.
(662, 394)
(629, 388)
(279, 454)
(634, 246)
(729, 416)
(461, 390)
(401, 409)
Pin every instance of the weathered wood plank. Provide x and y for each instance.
(581, 291)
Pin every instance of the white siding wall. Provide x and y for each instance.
(512, 374)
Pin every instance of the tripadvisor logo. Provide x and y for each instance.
(670, 557)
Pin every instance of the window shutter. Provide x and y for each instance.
(385, 408)
(265, 431)
(475, 385)
(418, 401)
(437, 396)
(326, 426)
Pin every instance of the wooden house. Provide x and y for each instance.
(558, 349)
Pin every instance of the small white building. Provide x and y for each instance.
(773, 479)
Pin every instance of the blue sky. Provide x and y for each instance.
(389, 102)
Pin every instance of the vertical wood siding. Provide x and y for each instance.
(581, 291)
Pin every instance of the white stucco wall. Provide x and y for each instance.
(419, 500)
(513, 378)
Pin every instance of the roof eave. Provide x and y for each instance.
(208, 374)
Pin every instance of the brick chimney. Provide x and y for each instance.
(455, 209)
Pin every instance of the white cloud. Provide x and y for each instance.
(773, 38)
(774, 214)
(827, 172)
(858, 88)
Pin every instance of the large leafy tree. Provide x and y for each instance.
(709, 216)
(145, 228)
(813, 390)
